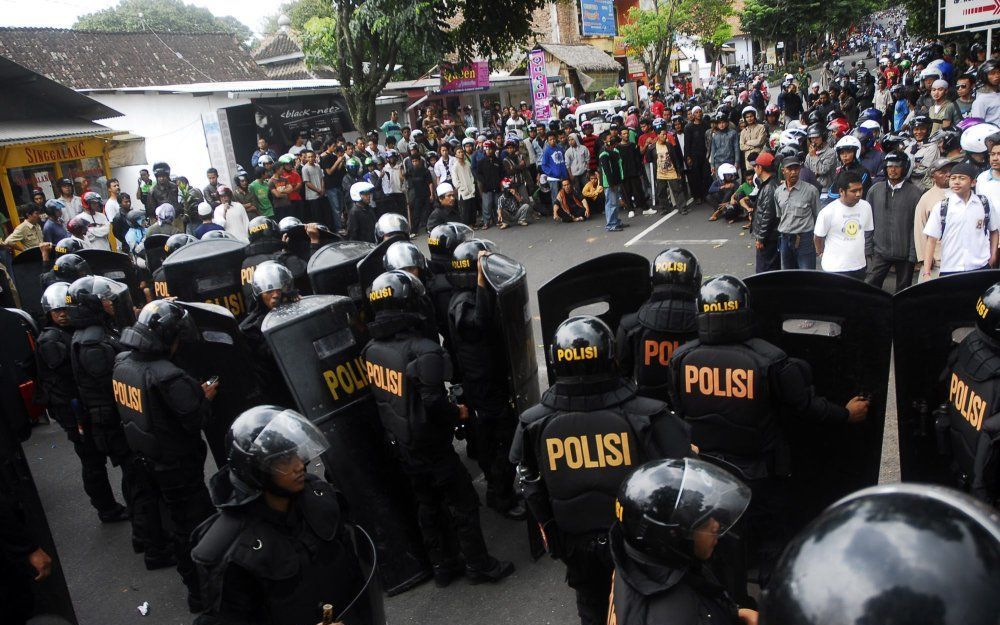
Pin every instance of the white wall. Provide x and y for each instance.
(172, 127)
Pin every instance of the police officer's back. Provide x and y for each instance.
(407, 373)
(441, 242)
(670, 516)
(575, 447)
(970, 429)
(649, 337)
(67, 267)
(278, 547)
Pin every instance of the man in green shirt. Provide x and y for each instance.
(259, 188)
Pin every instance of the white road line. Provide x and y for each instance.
(688, 242)
(659, 221)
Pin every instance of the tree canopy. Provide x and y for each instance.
(172, 16)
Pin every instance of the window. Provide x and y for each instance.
(87, 175)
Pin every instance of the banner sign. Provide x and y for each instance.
(967, 13)
(279, 121)
(539, 85)
(472, 77)
(597, 18)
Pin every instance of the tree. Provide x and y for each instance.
(366, 39)
(299, 12)
(164, 16)
(708, 21)
(651, 34)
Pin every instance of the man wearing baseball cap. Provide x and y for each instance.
(765, 219)
(796, 205)
(965, 224)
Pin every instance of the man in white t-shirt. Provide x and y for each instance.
(988, 182)
(967, 231)
(842, 227)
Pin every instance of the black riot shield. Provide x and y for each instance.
(373, 265)
(317, 344)
(929, 320)
(18, 492)
(115, 266)
(333, 269)
(208, 271)
(620, 279)
(219, 351)
(9, 297)
(841, 327)
(28, 269)
(153, 244)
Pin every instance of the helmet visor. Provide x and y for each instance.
(710, 499)
(287, 437)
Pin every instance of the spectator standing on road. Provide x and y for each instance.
(232, 215)
(796, 205)
(894, 203)
(394, 184)
(464, 182)
(965, 224)
(211, 190)
(940, 172)
(764, 225)
(696, 156)
(753, 138)
(667, 163)
(28, 233)
(553, 163)
(488, 172)
(843, 228)
(610, 168)
(725, 144)
(332, 162)
(243, 194)
(260, 187)
(312, 183)
(420, 184)
(262, 150)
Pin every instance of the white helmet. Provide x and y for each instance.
(848, 142)
(931, 71)
(787, 138)
(360, 187)
(726, 169)
(974, 139)
(729, 99)
(872, 125)
(444, 188)
(749, 109)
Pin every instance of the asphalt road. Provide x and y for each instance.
(108, 581)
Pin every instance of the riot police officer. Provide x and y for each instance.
(575, 447)
(648, 337)
(162, 410)
(361, 216)
(441, 242)
(670, 516)
(899, 553)
(58, 393)
(407, 373)
(273, 285)
(734, 389)
(266, 244)
(95, 302)
(278, 548)
(404, 256)
(68, 267)
(390, 226)
(471, 323)
(970, 426)
(174, 243)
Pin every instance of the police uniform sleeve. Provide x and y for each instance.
(793, 378)
(430, 370)
(16, 541)
(185, 398)
(240, 601)
(52, 353)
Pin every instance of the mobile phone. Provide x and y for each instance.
(212, 380)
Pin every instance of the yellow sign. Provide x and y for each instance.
(41, 153)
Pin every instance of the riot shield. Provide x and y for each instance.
(28, 268)
(929, 319)
(208, 271)
(115, 266)
(620, 279)
(9, 297)
(317, 344)
(219, 351)
(842, 328)
(18, 491)
(153, 244)
(373, 265)
(18, 333)
(509, 282)
(333, 269)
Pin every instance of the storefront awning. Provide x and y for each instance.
(15, 132)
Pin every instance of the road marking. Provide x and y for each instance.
(659, 221)
(688, 242)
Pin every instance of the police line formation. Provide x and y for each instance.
(699, 440)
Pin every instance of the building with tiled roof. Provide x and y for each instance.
(280, 56)
(94, 60)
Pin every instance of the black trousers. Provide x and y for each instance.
(420, 208)
(588, 572)
(633, 194)
(467, 210)
(93, 463)
(448, 512)
(768, 258)
(494, 433)
(879, 267)
(183, 492)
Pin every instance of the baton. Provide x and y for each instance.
(652, 183)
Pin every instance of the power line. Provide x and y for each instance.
(177, 54)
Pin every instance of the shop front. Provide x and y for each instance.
(27, 166)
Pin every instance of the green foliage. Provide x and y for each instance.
(778, 20)
(172, 16)
(299, 12)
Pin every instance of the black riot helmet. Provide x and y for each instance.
(391, 223)
(900, 553)
(676, 267)
(405, 255)
(271, 275)
(86, 298)
(396, 291)
(176, 242)
(464, 270)
(583, 350)
(444, 238)
(160, 323)
(263, 228)
(70, 267)
(55, 297)
(290, 224)
(262, 441)
(988, 312)
(69, 245)
(664, 503)
(161, 169)
(723, 308)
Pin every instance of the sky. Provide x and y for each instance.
(63, 13)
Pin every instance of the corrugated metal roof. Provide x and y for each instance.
(52, 130)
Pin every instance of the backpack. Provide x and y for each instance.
(986, 216)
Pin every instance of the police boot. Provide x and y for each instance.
(158, 559)
(117, 514)
(493, 570)
(446, 572)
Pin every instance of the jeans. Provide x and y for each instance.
(334, 197)
(612, 197)
(798, 251)
(489, 206)
(554, 186)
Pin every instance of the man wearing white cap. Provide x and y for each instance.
(444, 207)
(942, 111)
(207, 215)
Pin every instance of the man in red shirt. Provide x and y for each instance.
(658, 107)
(648, 135)
(294, 191)
(891, 73)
